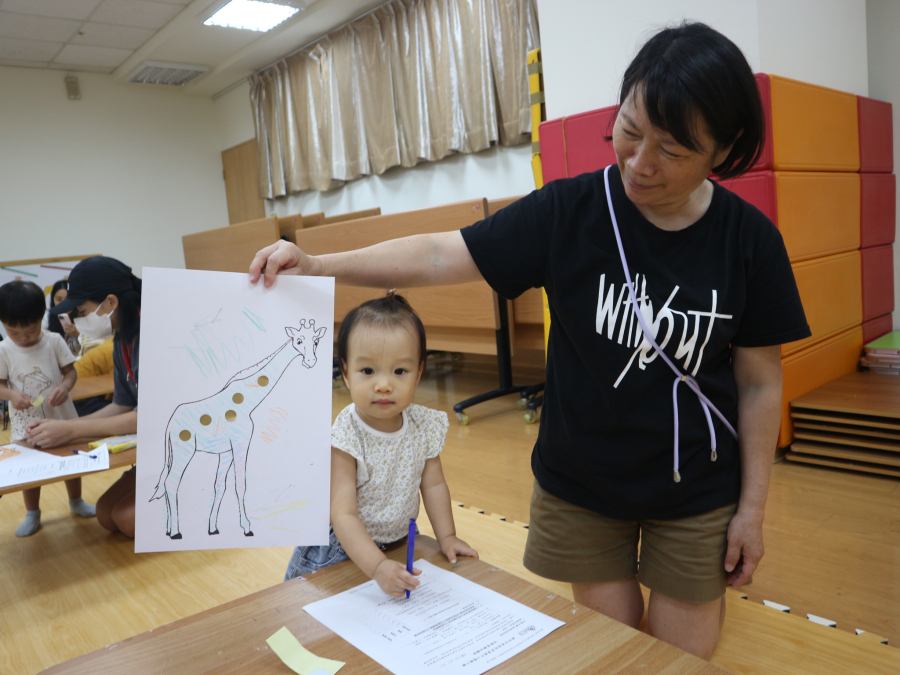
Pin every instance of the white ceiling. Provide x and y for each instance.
(116, 36)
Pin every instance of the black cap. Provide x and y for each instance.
(95, 278)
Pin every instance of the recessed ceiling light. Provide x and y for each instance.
(251, 15)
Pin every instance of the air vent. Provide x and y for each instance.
(161, 72)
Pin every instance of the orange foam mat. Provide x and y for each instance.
(813, 128)
(831, 291)
(814, 366)
(818, 212)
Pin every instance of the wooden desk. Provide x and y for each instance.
(86, 387)
(117, 460)
(229, 249)
(232, 638)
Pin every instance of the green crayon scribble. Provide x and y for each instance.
(255, 319)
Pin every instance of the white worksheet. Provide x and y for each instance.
(19, 464)
(234, 421)
(449, 625)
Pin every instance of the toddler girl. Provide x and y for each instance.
(385, 450)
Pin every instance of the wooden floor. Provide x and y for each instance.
(832, 545)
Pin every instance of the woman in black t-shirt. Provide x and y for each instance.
(626, 449)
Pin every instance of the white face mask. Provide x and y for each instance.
(95, 325)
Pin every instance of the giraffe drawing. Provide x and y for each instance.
(221, 425)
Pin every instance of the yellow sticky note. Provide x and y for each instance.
(298, 658)
(37, 402)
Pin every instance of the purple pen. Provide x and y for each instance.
(410, 547)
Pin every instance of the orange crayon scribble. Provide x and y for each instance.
(8, 453)
(270, 432)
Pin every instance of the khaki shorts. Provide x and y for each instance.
(683, 559)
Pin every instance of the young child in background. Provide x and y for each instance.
(36, 375)
(385, 450)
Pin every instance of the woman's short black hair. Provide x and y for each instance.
(692, 69)
(21, 303)
(389, 311)
(53, 322)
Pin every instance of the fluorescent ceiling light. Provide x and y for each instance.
(251, 15)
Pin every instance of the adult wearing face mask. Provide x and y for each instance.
(107, 299)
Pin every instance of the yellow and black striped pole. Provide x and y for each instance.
(538, 115)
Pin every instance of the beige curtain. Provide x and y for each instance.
(415, 80)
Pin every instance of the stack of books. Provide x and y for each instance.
(883, 355)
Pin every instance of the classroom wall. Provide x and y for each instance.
(126, 171)
(883, 26)
(234, 116)
(818, 41)
(586, 45)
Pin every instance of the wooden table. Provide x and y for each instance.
(86, 387)
(117, 460)
(232, 638)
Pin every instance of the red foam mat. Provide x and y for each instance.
(553, 150)
(758, 188)
(878, 209)
(587, 149)
(876, 135)
(877, 281)
(875, 328)
(767, 158)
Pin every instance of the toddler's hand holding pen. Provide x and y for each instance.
(393, 579)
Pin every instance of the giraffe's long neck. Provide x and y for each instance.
(255, 387)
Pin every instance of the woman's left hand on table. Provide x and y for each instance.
(48, 433)
(745, 547)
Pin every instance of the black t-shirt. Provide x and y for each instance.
(607, 425)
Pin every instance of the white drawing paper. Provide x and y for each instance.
(449, 625)
(234, 414)
(19, 464)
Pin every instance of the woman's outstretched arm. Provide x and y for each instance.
(421, 260)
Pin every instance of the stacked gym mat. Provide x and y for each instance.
(852, 422)
(825, 179)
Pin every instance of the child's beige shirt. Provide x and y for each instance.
(36, 370)
(389, 466)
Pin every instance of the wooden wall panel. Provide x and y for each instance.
(240, 169)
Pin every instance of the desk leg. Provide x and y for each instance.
(504, 366)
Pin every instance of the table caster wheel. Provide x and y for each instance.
(522, 403)
(462, 418)
(530, 417)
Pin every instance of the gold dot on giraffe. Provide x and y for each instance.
(263, 381)
(230, 415)
(205, 420)
(238, 398)
(185, 435)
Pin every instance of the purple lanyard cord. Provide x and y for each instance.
(680, 377)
